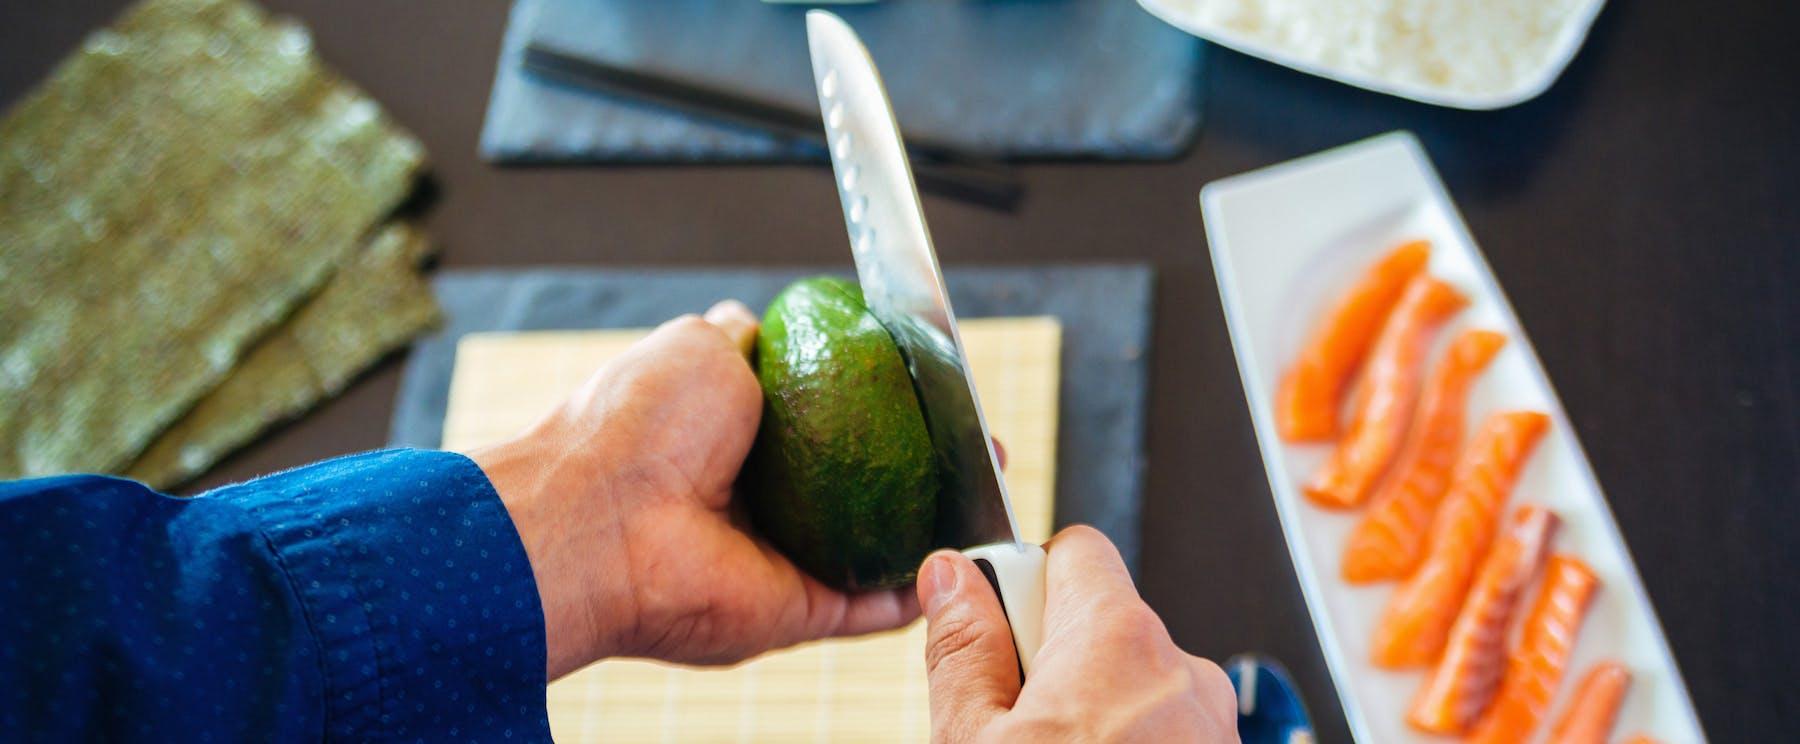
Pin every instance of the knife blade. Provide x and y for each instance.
(903, 286)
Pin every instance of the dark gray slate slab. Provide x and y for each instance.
(1032, 78)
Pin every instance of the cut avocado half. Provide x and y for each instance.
(843, 477)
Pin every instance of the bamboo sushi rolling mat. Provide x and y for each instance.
(864, 690)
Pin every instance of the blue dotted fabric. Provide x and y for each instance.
(377, 597)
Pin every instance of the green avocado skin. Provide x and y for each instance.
(844, 479)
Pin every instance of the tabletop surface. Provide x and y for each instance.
(1641, 216)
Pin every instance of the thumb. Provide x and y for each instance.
(970, 664)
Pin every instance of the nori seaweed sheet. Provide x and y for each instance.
(373, 305)
(174, 190)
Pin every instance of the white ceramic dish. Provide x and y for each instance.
(1181, 14)
(1285, 240)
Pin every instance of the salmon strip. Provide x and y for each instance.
(1537, 665)
(1474, 658)
(1589, 719)
(1387, 394)
(1389, 541)
(1640, 739)
(1418, 617)
(1307, 402)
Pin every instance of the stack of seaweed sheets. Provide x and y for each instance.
(197, 240)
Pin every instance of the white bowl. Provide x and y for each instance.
(1285, 240)
(1183, 14)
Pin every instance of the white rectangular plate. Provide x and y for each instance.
(1288, 239)
(1192, 16)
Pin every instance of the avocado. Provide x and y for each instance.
(844, 480)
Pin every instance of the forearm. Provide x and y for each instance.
(378, 593)
(130, 615)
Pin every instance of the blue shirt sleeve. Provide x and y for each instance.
(383, 596)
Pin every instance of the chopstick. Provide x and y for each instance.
(938, 167)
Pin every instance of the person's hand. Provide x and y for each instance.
(1107, 671)
(623, 498)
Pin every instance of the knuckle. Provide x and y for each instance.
(686, 329)
(1138, 615)
(687, 322)
(1213, 689)
(953, 638)
(1136, 625)
(1210, 677)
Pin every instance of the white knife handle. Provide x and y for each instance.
(1016, 570)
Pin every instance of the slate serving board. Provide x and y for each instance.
(1057, 78)
(1104, 309)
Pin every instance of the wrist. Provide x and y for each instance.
(556, 489)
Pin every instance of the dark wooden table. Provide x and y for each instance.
(1641, 215)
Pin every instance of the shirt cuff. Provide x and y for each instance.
(419, 590)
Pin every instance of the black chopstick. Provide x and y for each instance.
(939, 168)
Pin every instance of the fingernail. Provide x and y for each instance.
(940, 583)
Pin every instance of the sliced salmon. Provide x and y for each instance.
(1466, 679)
(1589, 719)
(1310, 394)
(1390, 539)
(1640, 739)
(1387, 394)
(1537, 664)
(1417, 621)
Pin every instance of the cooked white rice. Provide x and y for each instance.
(1467, 46)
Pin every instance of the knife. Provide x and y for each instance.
(904, 289)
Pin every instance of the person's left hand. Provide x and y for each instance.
(623, 498)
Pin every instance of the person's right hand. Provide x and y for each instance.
(1107, 671)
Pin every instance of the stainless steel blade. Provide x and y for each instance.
(902, 283)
